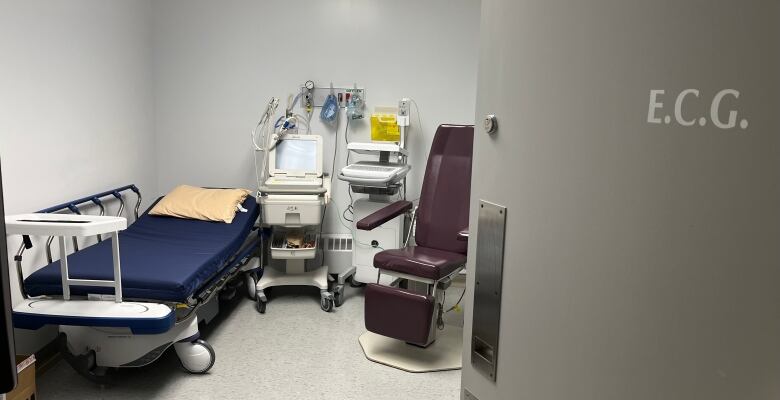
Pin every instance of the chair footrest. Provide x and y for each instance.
(398, 313)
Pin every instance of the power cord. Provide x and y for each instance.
(419, 121)
(350, 209)
(332, 170)
(354, 238)
(263, 124)
(454, 307)
(440, 316)
(336, 150)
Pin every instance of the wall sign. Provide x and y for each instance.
(659, 100)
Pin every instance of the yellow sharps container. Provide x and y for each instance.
(384, 127)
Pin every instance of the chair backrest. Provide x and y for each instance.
(444, 201)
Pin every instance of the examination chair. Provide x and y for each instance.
(411, 308)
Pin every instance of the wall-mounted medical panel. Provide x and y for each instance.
(318, 94)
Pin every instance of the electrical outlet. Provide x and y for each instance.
(403, 107)
(403, 112)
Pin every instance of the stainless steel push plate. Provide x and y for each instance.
(489, 268)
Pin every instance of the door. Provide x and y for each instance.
(8, 376)
(638, 158)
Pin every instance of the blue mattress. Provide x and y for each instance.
(162, 258)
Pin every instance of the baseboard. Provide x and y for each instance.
(47, 357)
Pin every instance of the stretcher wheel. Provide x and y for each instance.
(251, 285)
(326, 303)
(260, 305)
(196, 357)
(338, 296)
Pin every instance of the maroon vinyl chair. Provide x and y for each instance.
(442, 219)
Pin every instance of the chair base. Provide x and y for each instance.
(445, 354)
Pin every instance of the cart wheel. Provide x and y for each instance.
(250, 286)
(260, 305)
(197, 357)
(338, 296)
(326, 303)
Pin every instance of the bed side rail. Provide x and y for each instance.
(73, 207)
(95, 198)
(234, 264)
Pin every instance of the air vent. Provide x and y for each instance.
(337, 242)
(337, 249)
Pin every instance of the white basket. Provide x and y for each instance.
(281, 251)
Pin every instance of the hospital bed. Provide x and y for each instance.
(123, 306)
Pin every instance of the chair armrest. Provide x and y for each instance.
(463, 235)
(383, 215)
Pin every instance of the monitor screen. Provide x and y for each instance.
(296, 155)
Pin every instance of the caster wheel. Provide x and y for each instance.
(338, 296)
(197, 357)
(326, 303)
(260, 305)
(250, 286)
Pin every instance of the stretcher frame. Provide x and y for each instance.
(98, 333)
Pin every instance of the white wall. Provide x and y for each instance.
(216, 65)
(75, 104)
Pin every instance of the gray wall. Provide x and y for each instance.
(642, 258)
(218, 63)
(75, 106)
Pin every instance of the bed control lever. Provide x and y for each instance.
(27, 241)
